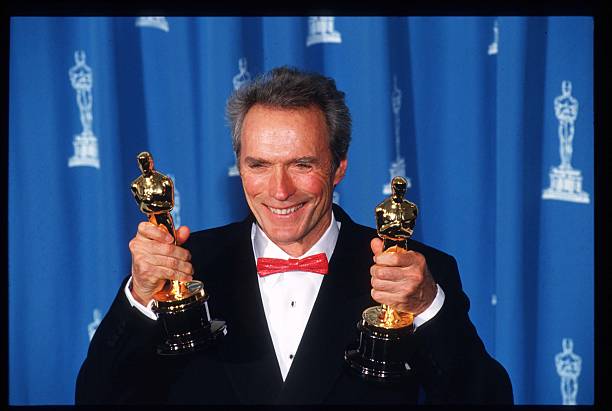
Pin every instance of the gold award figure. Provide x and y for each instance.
(395, 219)
(154, 193)
(384, 341)
(181, 307)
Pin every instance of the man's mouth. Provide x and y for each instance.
(285, 211)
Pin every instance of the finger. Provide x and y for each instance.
(385, 297)
(182, 234)
(384, 285)
(400, 259)
(153, 232)
(156, 275)
(377, 246)
(153, 247)
(396, 274)
(147, 284)
(171, 263)
(171, 250)
(170, 274)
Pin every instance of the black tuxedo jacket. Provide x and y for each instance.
(448, 359)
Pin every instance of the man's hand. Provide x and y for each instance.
(155, 259)
(401, 279)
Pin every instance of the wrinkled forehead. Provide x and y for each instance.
(285, 131)
(313, 113)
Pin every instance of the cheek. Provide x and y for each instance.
(315, 184)
(253, 184)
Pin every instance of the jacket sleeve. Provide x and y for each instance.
(121, 362)
(449, 357)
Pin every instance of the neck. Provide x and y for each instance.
(298, 248)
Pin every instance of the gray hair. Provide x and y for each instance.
(287, 87)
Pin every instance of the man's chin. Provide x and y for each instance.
(282, 238)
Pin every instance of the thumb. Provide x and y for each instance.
(182, 234)
(377, 246)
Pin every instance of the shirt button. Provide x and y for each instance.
(293, 303)
(291, 356)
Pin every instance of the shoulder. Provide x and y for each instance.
(355, 233)
(430, 252)
(219, 235)
(221, 250)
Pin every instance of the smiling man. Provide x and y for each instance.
(288, 329)
(288, 174)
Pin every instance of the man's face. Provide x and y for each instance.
(286, 170)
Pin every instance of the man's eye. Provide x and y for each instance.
(304, 166)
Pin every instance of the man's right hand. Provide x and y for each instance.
(156, 259)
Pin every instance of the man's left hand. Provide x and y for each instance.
(401, 279)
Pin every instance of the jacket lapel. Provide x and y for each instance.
(247, 349)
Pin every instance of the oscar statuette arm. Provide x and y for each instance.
(162, 201)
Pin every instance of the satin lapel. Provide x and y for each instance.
(248, 352)
(319, 360)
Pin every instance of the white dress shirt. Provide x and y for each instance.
(288, 298)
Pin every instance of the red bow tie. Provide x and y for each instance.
(315, 264)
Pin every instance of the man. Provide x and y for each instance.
(287, 332)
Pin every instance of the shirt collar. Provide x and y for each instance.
(264, 247)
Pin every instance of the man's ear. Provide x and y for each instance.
(340, 171)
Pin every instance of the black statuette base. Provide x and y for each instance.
(186, 325)
(381, 352)
(193, 341)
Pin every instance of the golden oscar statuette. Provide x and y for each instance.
(383, 331)
(181, 307)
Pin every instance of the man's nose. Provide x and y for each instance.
(281, 184)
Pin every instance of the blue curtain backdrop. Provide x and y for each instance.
(490, 119)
